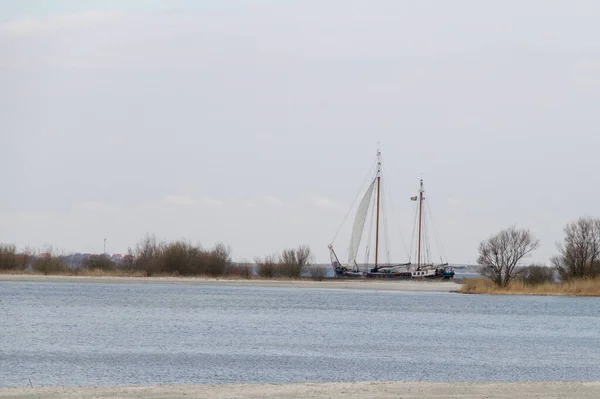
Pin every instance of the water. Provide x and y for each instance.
(126, 334)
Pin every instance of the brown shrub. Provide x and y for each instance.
(267, 267)
(536, 274)
(50, 264)
(293, 262)
(243, 269)
(8, 257)
(318, 273)
(100, 262)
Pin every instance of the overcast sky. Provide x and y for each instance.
(254, 123)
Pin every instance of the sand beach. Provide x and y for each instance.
(353, 390)
(382, 285)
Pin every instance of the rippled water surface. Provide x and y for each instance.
(123, 334)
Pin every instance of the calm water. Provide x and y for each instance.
(113, 334)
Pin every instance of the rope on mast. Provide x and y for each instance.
(396, 221)
(426, 243)
(436, 235)
(385, 225)
(412, 240)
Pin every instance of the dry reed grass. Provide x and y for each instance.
(578, 287)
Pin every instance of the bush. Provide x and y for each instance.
(293, 262)
(267, 267)
(178, 257)
(243, 269)
(100, 262)
(8, 257)
(148, 253)
(128, 263)
(217, 260)
(536, 274)
(50, 264)
(318, 273)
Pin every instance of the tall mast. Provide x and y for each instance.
(377, 217)
(420, 224)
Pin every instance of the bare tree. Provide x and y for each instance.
(50, 263)
(24, 258)
(102, 262)
(267, 267)
(129, 260)
(579, 255)
(219, 260)
(304, 256)
(293, 262)
(500, 254)
(148, 254)
(8, 257)
(537, 274)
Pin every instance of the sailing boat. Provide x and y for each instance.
(426, 269)
(385, 270)
(351, 269)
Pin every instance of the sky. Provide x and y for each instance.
(254, 123)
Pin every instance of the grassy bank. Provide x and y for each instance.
(580, 287)
(132, 273)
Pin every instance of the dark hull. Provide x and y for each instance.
(389, 276)
(341, 273)
(440, 274)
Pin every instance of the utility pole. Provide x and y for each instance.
(104, 247)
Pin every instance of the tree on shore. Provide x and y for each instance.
(537, 274)
(267, 267)
(50, 263)
(293, 262)
(500, 254)
(8, 257)
(99, 262)
(579, 254)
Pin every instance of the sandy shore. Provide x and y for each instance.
(584, 390)
(437, 286)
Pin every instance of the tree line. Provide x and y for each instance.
(150, 257)
(578, 257)
(500, 257)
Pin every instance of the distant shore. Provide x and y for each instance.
(352, 390)
(398, 285)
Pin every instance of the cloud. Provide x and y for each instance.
(179, 200)
(273, 201)
(211, 202)
(323, 202)
(96, 206)
(25, 26)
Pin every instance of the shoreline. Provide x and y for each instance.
(378, 285)
(408, 389)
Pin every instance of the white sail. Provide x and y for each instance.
(359, 224)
